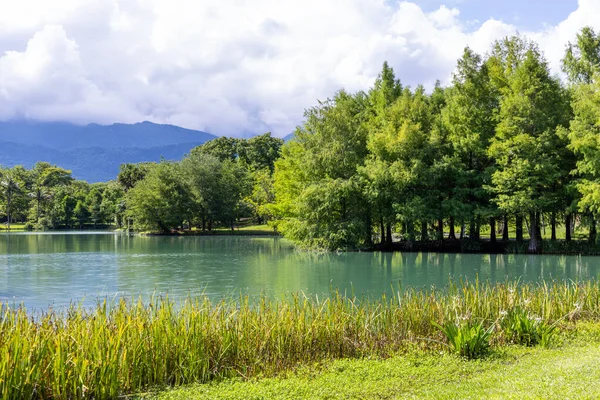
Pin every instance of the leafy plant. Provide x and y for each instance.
(522, 328)
(467, 339)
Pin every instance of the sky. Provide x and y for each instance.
(244, 67)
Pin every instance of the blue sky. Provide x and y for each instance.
(525, 14)
(234, 67)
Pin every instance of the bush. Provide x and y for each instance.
(28, 226)
(467, 339)
(44, 224)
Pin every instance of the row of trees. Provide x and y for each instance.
(47, 197)
(507, 142)
(218, 183)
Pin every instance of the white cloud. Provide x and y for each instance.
(232, 66)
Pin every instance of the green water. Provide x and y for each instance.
(42, 270)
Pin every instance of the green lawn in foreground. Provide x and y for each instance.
(570, 370)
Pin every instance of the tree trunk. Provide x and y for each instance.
(505, 228)
(519, 228)
(553, 226)
(8, 211)
(568, 223)
(452, 234)
(462, 231)
(388, 236)
(592, 238)
(472, 229)
(369, 230)
(477, 233)
(534, 241)
(493, 230)
(410, 230)
(538, 225)
(423, 231)
(440, 230)
(382, 227)
(210, 224)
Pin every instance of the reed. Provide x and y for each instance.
(129, 346)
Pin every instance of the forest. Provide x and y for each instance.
(218, 183)
(506, 144)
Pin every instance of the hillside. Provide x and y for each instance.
(94, 152)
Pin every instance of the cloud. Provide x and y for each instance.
(230, 67)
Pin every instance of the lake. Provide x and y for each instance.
(53, 269)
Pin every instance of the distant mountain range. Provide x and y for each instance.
(94, 152)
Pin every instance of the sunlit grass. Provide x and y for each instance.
(13, 227)
(130, 346)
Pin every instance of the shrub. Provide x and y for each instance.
(467, 339)
(522, 328)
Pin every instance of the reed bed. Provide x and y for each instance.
(129, 346)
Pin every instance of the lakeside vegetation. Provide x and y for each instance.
(130, 346)
(516, 372)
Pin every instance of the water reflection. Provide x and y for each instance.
(55, 269)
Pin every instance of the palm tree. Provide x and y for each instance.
(9, 186)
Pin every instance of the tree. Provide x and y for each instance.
(218, 187)
(160, 201)
(532, 107)
(81, 213)
(470, 117)
(262, 197)
(46, 177)
(583, 136)
(582, 59)
(260, 152)
(223, 148)
(320, 198)
(130, 174)
(10, 188)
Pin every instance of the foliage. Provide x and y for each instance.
(521, 327)
(467, 339)
(582, 59)
(161, 200)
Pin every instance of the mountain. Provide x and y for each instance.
(94, 152)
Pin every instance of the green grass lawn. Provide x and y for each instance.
(570, 370)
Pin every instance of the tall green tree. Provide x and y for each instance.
(11, 188)
(218, 187)
(582, 59)
(470, 117)
(162, 200)
(532, 107)
(319, 193)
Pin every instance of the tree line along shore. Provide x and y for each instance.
(507, 150)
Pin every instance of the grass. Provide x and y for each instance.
(242, 230)
(131, 346)
(566, 371)
(13, 227)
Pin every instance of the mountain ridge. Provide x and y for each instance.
(94, 152)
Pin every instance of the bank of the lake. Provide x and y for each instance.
(133, 347)
(567, 370)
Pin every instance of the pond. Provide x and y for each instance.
(41, 270)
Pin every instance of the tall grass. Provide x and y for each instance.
(130, 346)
